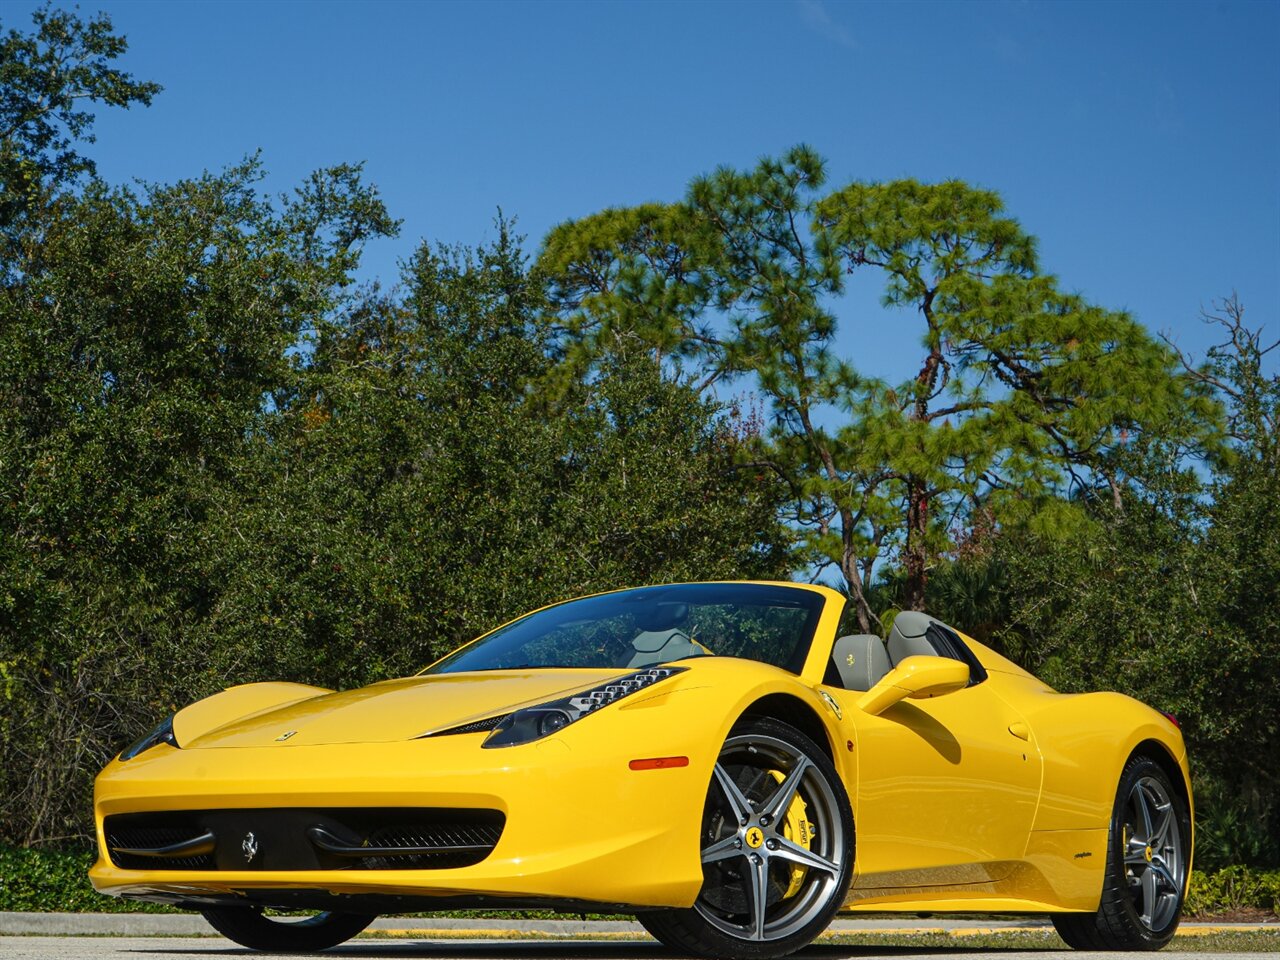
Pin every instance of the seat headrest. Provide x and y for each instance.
(913, 623)
(662, 616)
(860, 661)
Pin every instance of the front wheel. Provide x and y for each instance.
(777, 849)
(249, 927)
(1147, 856)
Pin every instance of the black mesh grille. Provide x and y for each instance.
(444, 836)
(160, 832)
(307, 839)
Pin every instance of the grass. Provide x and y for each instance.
(1215, 941)
(1245, 941)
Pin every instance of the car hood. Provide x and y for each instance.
(399, 709)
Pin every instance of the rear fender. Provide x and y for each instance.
(1085, 740)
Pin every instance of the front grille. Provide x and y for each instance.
(353, 838)
(161, 831)
(457, 835)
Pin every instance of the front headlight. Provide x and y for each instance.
(534, 723)
(161, 734)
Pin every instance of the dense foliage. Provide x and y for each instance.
(1175, 599)
(1025, 395)
(223, 459)
(53, 881)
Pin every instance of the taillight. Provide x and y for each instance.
(1172, 719)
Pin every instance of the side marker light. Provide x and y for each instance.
(659, 763)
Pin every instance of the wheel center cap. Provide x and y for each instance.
(754, 838)
(1147, 853)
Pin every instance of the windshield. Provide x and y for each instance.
(634, 629)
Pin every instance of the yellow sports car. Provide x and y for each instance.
(726, 761)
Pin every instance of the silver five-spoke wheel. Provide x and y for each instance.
(776, 849)
(773, 846)
(1154, 865)
(1145, 876)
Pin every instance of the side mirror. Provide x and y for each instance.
(915, 677)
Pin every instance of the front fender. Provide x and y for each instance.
(716, 692)
(726, 688)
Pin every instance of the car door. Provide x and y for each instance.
(947, 787)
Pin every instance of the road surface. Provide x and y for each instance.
(211, 948)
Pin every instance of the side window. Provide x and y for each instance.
(949, 644)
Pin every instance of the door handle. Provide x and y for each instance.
(1020, 730)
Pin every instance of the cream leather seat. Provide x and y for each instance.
(907, 637)
(860, 660)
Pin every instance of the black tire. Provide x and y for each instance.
(798, 864)
(1145, 881)
(248, 927)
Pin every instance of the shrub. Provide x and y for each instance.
(1233, 888)
(46, 881)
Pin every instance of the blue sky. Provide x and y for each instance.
(1139, 141)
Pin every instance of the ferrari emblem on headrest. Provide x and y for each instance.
(849, 659)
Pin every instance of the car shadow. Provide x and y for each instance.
(561, 950)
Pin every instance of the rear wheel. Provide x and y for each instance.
(1147, 856)
(777, 849)
(249, 927)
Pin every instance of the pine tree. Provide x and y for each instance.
(1025, 394)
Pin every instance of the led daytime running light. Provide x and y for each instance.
(534, 723)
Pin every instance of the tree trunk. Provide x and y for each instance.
(916, 560)
(916, 555)
(868, 622)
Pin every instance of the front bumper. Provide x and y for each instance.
(581, 826)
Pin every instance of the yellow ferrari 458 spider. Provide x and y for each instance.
(723, 760)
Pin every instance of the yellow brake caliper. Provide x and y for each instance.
(798, 830)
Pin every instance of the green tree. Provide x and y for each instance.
(1232, 676)
(1023, 394)
(224, 460)
(417, 489)
(133, 366)
(47, 80)
(1172, 599)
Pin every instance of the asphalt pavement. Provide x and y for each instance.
(205, 948)
(194, 925)
(141, 936)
